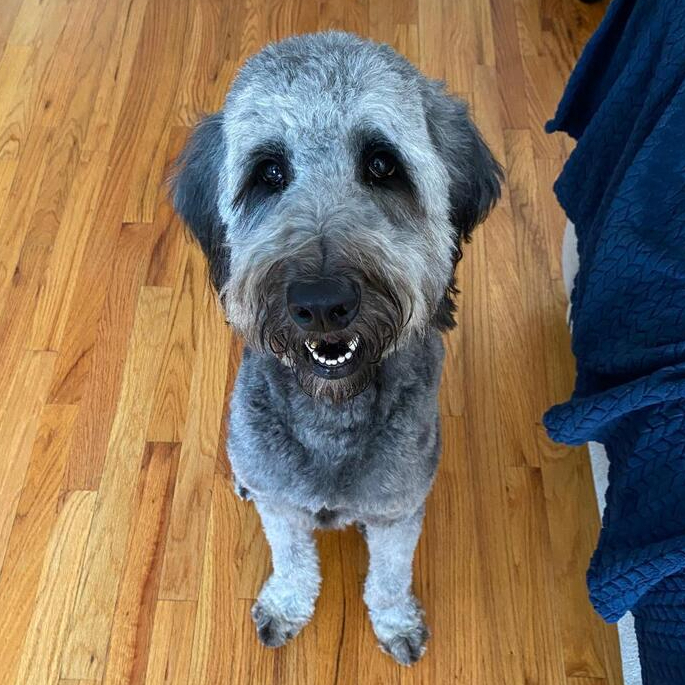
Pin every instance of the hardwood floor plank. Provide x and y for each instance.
(352, 15)
(59, 282)
(86, 647)
(460, 42)
(103, 380)
(172, 396)
(509, 65)
(41, 656)
(431, 39)
(172, 639)
(115, 76)
(13, 66)
(487, 476)
(10, 10)
(212, 657)
(459, 574)
(132, 625)
(18, 211)
(204, 78)
(532, 576)
(155, 73)
(407, 41)
(544, 86)
(35, 516)
(192, 498)
(382, 20)
(20, 408)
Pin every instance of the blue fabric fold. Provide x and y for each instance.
(624, 189)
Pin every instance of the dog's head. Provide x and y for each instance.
(331, 196)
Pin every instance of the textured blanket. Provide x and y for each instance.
(624, 189)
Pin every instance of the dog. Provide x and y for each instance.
(331, 196)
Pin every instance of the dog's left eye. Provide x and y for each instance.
(272, 174)
(381, 165)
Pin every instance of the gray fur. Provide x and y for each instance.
(312, 451)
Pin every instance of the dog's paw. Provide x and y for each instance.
(273, 629)
(407, 648)
(401, 631)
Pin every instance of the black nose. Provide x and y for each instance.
(324, 305)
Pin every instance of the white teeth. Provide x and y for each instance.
(312, 346)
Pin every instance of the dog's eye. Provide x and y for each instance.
(381, 165)
(271, 172)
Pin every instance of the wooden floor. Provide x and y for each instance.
(125, 556)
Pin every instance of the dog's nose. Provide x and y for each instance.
(324, 305)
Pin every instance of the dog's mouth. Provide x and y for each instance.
(334, 359)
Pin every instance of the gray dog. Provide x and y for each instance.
(331, 196)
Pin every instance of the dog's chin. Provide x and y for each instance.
(334, 387)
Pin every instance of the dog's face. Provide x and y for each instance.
(331, 196)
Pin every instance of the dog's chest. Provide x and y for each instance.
(362, 461)
(374, 455)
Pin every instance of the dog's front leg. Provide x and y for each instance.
(286, 601)
(396, 615)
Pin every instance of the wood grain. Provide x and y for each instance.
(44, 642)
(172, 640)
(125, 558)
(86, 649)
(19, 416)
(35, 518)
(193, 494)
(131, 631)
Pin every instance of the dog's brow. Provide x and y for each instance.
(368, 139)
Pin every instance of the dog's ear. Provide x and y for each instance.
(195, 192)
(474, 176)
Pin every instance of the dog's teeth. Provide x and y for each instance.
(341, 360)
(312, 344)
(348, 355)
(316, 356)
(331, 362)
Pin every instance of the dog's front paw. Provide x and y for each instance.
(283, 608)
(401, 631)
(273, 628)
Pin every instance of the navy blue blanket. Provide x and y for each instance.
(624, 189)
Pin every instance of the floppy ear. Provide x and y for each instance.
(474, 176)
(195, 191)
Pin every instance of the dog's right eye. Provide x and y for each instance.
(271, 172)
